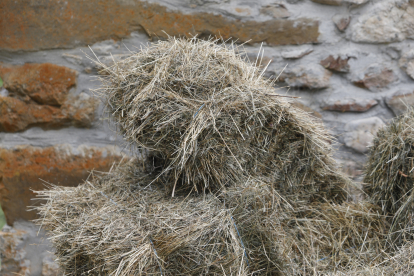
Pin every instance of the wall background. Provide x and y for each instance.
(351, 62)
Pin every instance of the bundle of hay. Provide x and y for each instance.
(268, 197)
(389, 173)
(400, 263)
(117, 224)
(211, 120)
(114, 225)
(302, 238)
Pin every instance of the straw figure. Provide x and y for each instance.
(211, 120)
(237, 180)
(389, 173)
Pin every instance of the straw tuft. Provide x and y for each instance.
(389, 172)
(113, 225)
(211, 120)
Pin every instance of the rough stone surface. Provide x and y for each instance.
(349, 105)
(275, 10)
(388, 21)
(26, 168)
(39, 95)
(297, 53)
(400, 101)
(341, 21)
(360, 133)
(375, 77)
(17, 115)
(25, 250)
(238, 11)
(307, 109)
(13, 261)
(337, 64)
(329, 2)
(406, 62)
(49, 266)
(42, 83)
(356, 2)
(67, 24)
(340, 2)
(312, 77)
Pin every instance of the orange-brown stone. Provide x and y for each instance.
(39, 96)
(17, 115)
(14, 115)
(63, 24)
(375, 81)
(336, 64)
(28, 168)
(43, 83)
(349, 105)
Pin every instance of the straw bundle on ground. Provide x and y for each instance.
(389, 173)
(113, 225)
(301, 238)
(211, 120)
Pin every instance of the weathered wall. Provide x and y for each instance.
(350, 61)
(25, 250)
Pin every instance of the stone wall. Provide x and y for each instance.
(351, 62)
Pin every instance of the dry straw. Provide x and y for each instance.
(390, 173)
(256, 191)
(303, 238)
(211, 120)
(115, 224)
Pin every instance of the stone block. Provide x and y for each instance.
(336, 64)
(360, 133)
(374, 78)
(45, 83)
(385, 22)
(38, 95)
(67, 24)
(26, 168)
(341, 21)
(17, 115)
(312, 77)
(349, 105)
(406, 62)
(400, 101)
